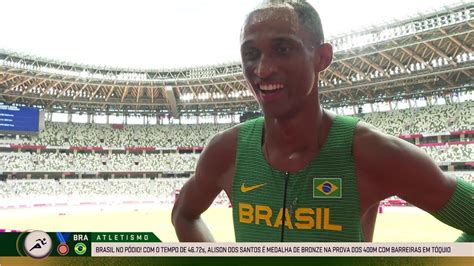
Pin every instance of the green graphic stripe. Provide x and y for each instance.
(11, 245)
(12, 242)
(125, 237)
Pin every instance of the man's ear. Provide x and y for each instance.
(325, 57)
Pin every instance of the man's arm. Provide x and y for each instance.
(392, 166)
(214, 171)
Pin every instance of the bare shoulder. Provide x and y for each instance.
(370, 143)
(372, 151)
(377, 152)
(393, 166)
(217, 160)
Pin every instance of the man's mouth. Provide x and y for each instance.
(271, 92)
(270, 88)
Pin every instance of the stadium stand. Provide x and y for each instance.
(94, 190)
(71, 134)
(87, 162)
(429, 120)
(114, 156)
(46, 162)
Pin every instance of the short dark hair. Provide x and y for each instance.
(307, 15)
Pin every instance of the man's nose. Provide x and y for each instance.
(265, 67)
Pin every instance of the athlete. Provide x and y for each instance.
(302, 173)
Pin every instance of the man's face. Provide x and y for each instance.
(278, 59)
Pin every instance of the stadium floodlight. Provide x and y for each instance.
(464, 57)
(186, 97)
(418, 66)
(203, 96)
(84, 74)
(440, 61)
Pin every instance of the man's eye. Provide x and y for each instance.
(283, 49)
(250, 54)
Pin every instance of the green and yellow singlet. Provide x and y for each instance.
(322, 200)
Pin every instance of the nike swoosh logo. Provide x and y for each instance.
(245, 189)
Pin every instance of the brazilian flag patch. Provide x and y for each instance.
(327, 188)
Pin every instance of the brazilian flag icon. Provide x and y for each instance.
(327, 188)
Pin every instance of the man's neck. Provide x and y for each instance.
(299, 134)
